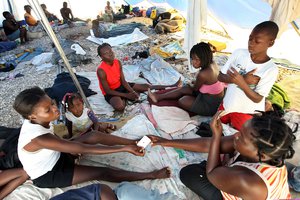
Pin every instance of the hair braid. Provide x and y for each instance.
(273, 138)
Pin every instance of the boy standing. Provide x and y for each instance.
(250, 75)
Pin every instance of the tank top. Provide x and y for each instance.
(215, 88)
(82, 123)
(275, 179)
(113, 75)
(40, 162)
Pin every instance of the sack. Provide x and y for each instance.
(9, 148)
(204, 130)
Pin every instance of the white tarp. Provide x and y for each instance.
(135, 36)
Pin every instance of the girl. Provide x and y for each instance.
(47, 159)
(255, 171)
(112, 81)
(205, 96)
(81, 118)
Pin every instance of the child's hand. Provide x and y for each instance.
(135, 150)
(250, 78)
(235, 76)
(215, 123)
(156, 140)
(107, 127)
(132, 96)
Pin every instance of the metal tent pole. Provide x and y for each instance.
(37, 8)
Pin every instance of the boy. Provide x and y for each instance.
(12, 28)
(250, 75)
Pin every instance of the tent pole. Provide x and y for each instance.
(35, 4)
(296, 27)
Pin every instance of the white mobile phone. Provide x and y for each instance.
(144, 142)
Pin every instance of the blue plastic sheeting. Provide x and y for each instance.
(241, 13)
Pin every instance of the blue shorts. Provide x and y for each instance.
(90, 192)
(15, 35)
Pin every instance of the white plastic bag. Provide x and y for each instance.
(78, 49)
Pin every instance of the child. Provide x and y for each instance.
(205, 96)
(81, 118)
(250, 75)
(33, 24)
(256, 169)
(47, 159)
(112, 81)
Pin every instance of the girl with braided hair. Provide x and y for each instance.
(206, 93)
(255, 168)
(80, 118)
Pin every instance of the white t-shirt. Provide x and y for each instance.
(40, 162)
(235, 100)
(82, 123)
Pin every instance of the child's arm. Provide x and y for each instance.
(239, 80)
(49, 141)
(194, 144)
(94, 119)
(201, 78)
(126, 85)
(107, 89)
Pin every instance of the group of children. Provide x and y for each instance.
(253, 169)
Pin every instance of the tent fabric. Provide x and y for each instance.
(195, 20)
(284, 12)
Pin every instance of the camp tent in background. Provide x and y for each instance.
(238, 17)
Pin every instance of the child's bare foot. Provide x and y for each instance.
(162, 173)
(152, 96)
(179, 83)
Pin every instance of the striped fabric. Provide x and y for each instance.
(275, 179)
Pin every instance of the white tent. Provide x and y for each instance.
(238, 16)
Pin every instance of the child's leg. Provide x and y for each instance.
(96, 137)
(144, 87)
(117, 103)
(173, 94)
(194, 177)
(10, 179)
(93, 191)
(87, 173)
(106, 193)
(186, 102)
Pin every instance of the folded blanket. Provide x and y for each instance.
(173, 120)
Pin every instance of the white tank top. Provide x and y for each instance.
(40, 162)
(82, 123)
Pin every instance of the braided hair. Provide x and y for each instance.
(274, 138)
(69, 99)
(203, 51)
(102, 46)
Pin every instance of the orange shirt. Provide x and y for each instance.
(113, 75)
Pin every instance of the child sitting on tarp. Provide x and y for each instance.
(82, 118)
(112, 82)
(33, 24)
